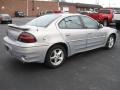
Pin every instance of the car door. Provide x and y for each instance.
(95, 34)
(72, 31)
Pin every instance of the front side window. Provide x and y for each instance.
(72, 22)
(89, 23)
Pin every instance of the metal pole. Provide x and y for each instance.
(58, 5)
(97, 2)
(27, 8)
(109, 3)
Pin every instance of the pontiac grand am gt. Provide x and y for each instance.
(49, 39)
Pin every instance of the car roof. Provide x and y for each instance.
(68, 14)
(64, 14)
(4, 14)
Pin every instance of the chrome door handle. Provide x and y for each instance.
(67, 35)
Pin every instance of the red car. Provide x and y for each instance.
(103, 16)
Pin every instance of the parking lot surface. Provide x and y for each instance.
(93, 70)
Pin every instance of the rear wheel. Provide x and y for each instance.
(55, 56)
(111, 42)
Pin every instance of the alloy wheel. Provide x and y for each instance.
(111, 42)
(56, 56)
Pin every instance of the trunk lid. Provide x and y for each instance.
(14, 31)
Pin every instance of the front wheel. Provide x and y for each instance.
(0, 22)
(55, 56)
(111, 42)
(9, 22)
(118, 25)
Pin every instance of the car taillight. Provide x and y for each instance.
(26, 38)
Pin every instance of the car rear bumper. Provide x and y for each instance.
(6, 20)
(26, 54)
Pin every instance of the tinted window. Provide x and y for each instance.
(117, 11)
(105, 11)
(72, 22)
(89, 23)
(43, 21)
(62, 24)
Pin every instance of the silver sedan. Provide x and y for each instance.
(5, 18)
(49, 39)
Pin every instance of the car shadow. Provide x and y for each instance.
(14, 64)
(84, 55)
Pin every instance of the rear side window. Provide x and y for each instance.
(89, 23)
(43, 21)
(72, 22)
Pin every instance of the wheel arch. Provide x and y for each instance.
(113, 35)
(62, 44)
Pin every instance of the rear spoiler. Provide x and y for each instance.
(18, 27)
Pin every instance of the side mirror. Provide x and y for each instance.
(100, 26)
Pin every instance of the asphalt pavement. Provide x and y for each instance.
(93, 70)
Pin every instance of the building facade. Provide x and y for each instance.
(34, 7)
(29, 7)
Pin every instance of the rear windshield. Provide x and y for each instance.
(104, 11)
(43, 21)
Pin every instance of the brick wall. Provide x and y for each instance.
(10, 6)
(72, 8)
(39, 6)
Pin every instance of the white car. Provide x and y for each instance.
(5, 18)
(51, 38)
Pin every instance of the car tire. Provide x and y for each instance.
(110, 42)
(118, 25)
(10, 22)
(55, 56)
(0, 22)
(105, 22)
